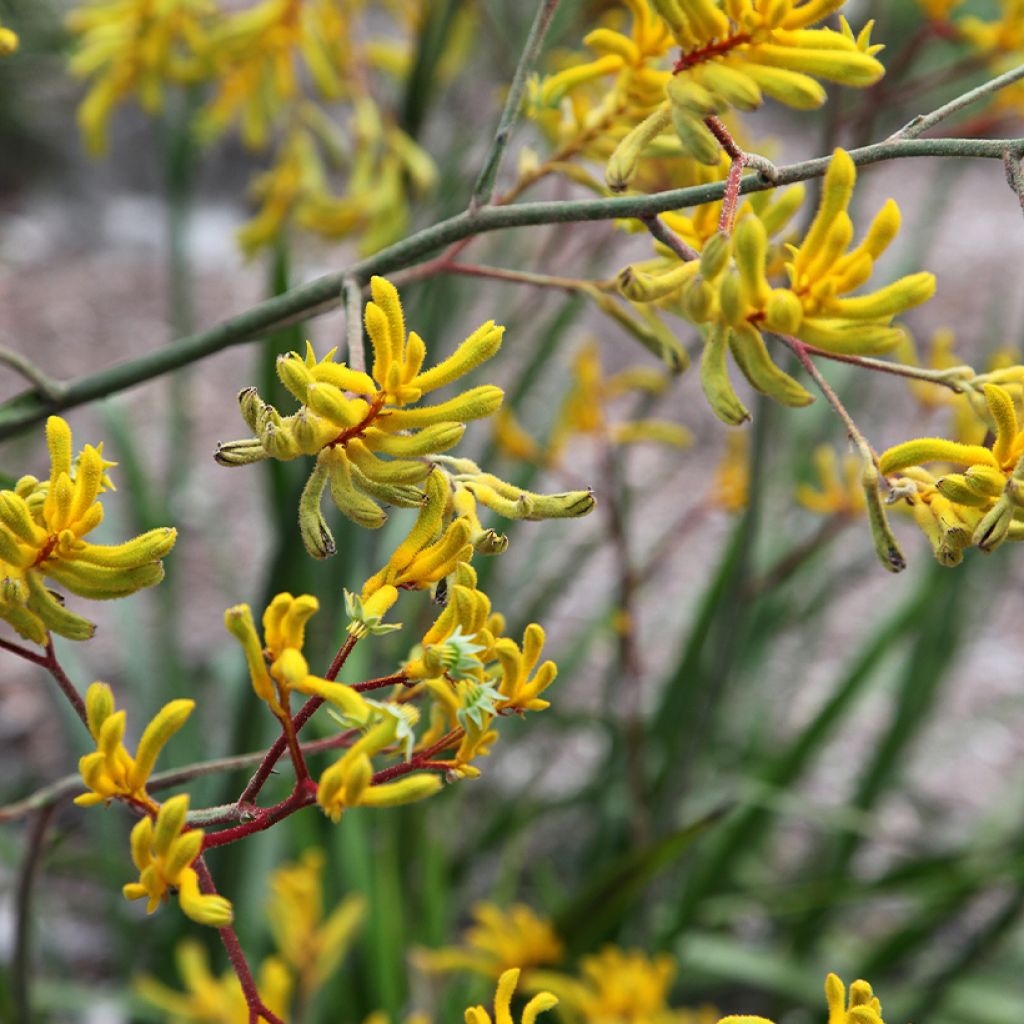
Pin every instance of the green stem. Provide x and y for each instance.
(324, 293)
(484, 188)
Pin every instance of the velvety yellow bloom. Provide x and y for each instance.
(862, 1007)
(111, 771)
(618, 986)
(981, 506)
(728, 294)
(840, 491)
(135, 48)
(163, 850)
(497, 940)
(503, 1004)
(43, 525)
(349, 419)
(735, 52)
(209, 999)
(277, 666)
(731, 487)
(311, 943)
(348, 782)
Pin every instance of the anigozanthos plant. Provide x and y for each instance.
(110, 771)
(164, 850)
(277, 667)
(212, 999)
(862, 1006)
(983, 505)
(135, 48)
(735, 52)
(311, 943)
(43, 526)
(373, 442)
(503, 1004)
(729, 295)
(839, 490)
(498, 940)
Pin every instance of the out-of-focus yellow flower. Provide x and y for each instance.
(939, 10)
(727, 293)
(43, 524)
(496, 941)
(731, 487)
(8, 41)
(1001, 35)
(733, 54)
(163, 850)
(310, 943)
(209, 999)
(503, 1004)
(260, 56)
(981, 506)
(110, 771)
(838, 493)
(862, 1007)
(619, 986)
(277, 666)
(134, 47)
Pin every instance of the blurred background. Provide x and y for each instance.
(766, 757)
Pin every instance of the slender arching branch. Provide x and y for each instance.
(325, 293)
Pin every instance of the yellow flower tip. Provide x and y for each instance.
(208, 909)
(8, 42)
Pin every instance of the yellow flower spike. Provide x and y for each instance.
(163, 850)
(372, 444)
(503, 1003)
(714, 379)
(1004, 415)
(933, 449)
(42, 529)
(111, 771)
(239, 622)
(167, 722)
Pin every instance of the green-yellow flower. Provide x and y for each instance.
(43, 525)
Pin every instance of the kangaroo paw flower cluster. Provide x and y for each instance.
(277, 666)
(732, 54)
(43, 525)
(111, 771)
(983, 505)
(164, 850)
(373, 443)
(729, 295)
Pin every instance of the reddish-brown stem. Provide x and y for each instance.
(257, 1010)
(732, 183)
(25, 653)
(53, 666)
(703, 53)
(278, 747)
(262, 818)
(378, 684)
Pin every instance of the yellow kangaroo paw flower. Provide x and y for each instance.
(714, 380)
(933, 449)
(751, 355)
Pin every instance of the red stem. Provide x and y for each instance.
(732, 183)
(266, 768)
(257, 1010)
(67, 687)
(303, 795)
(378, 684)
